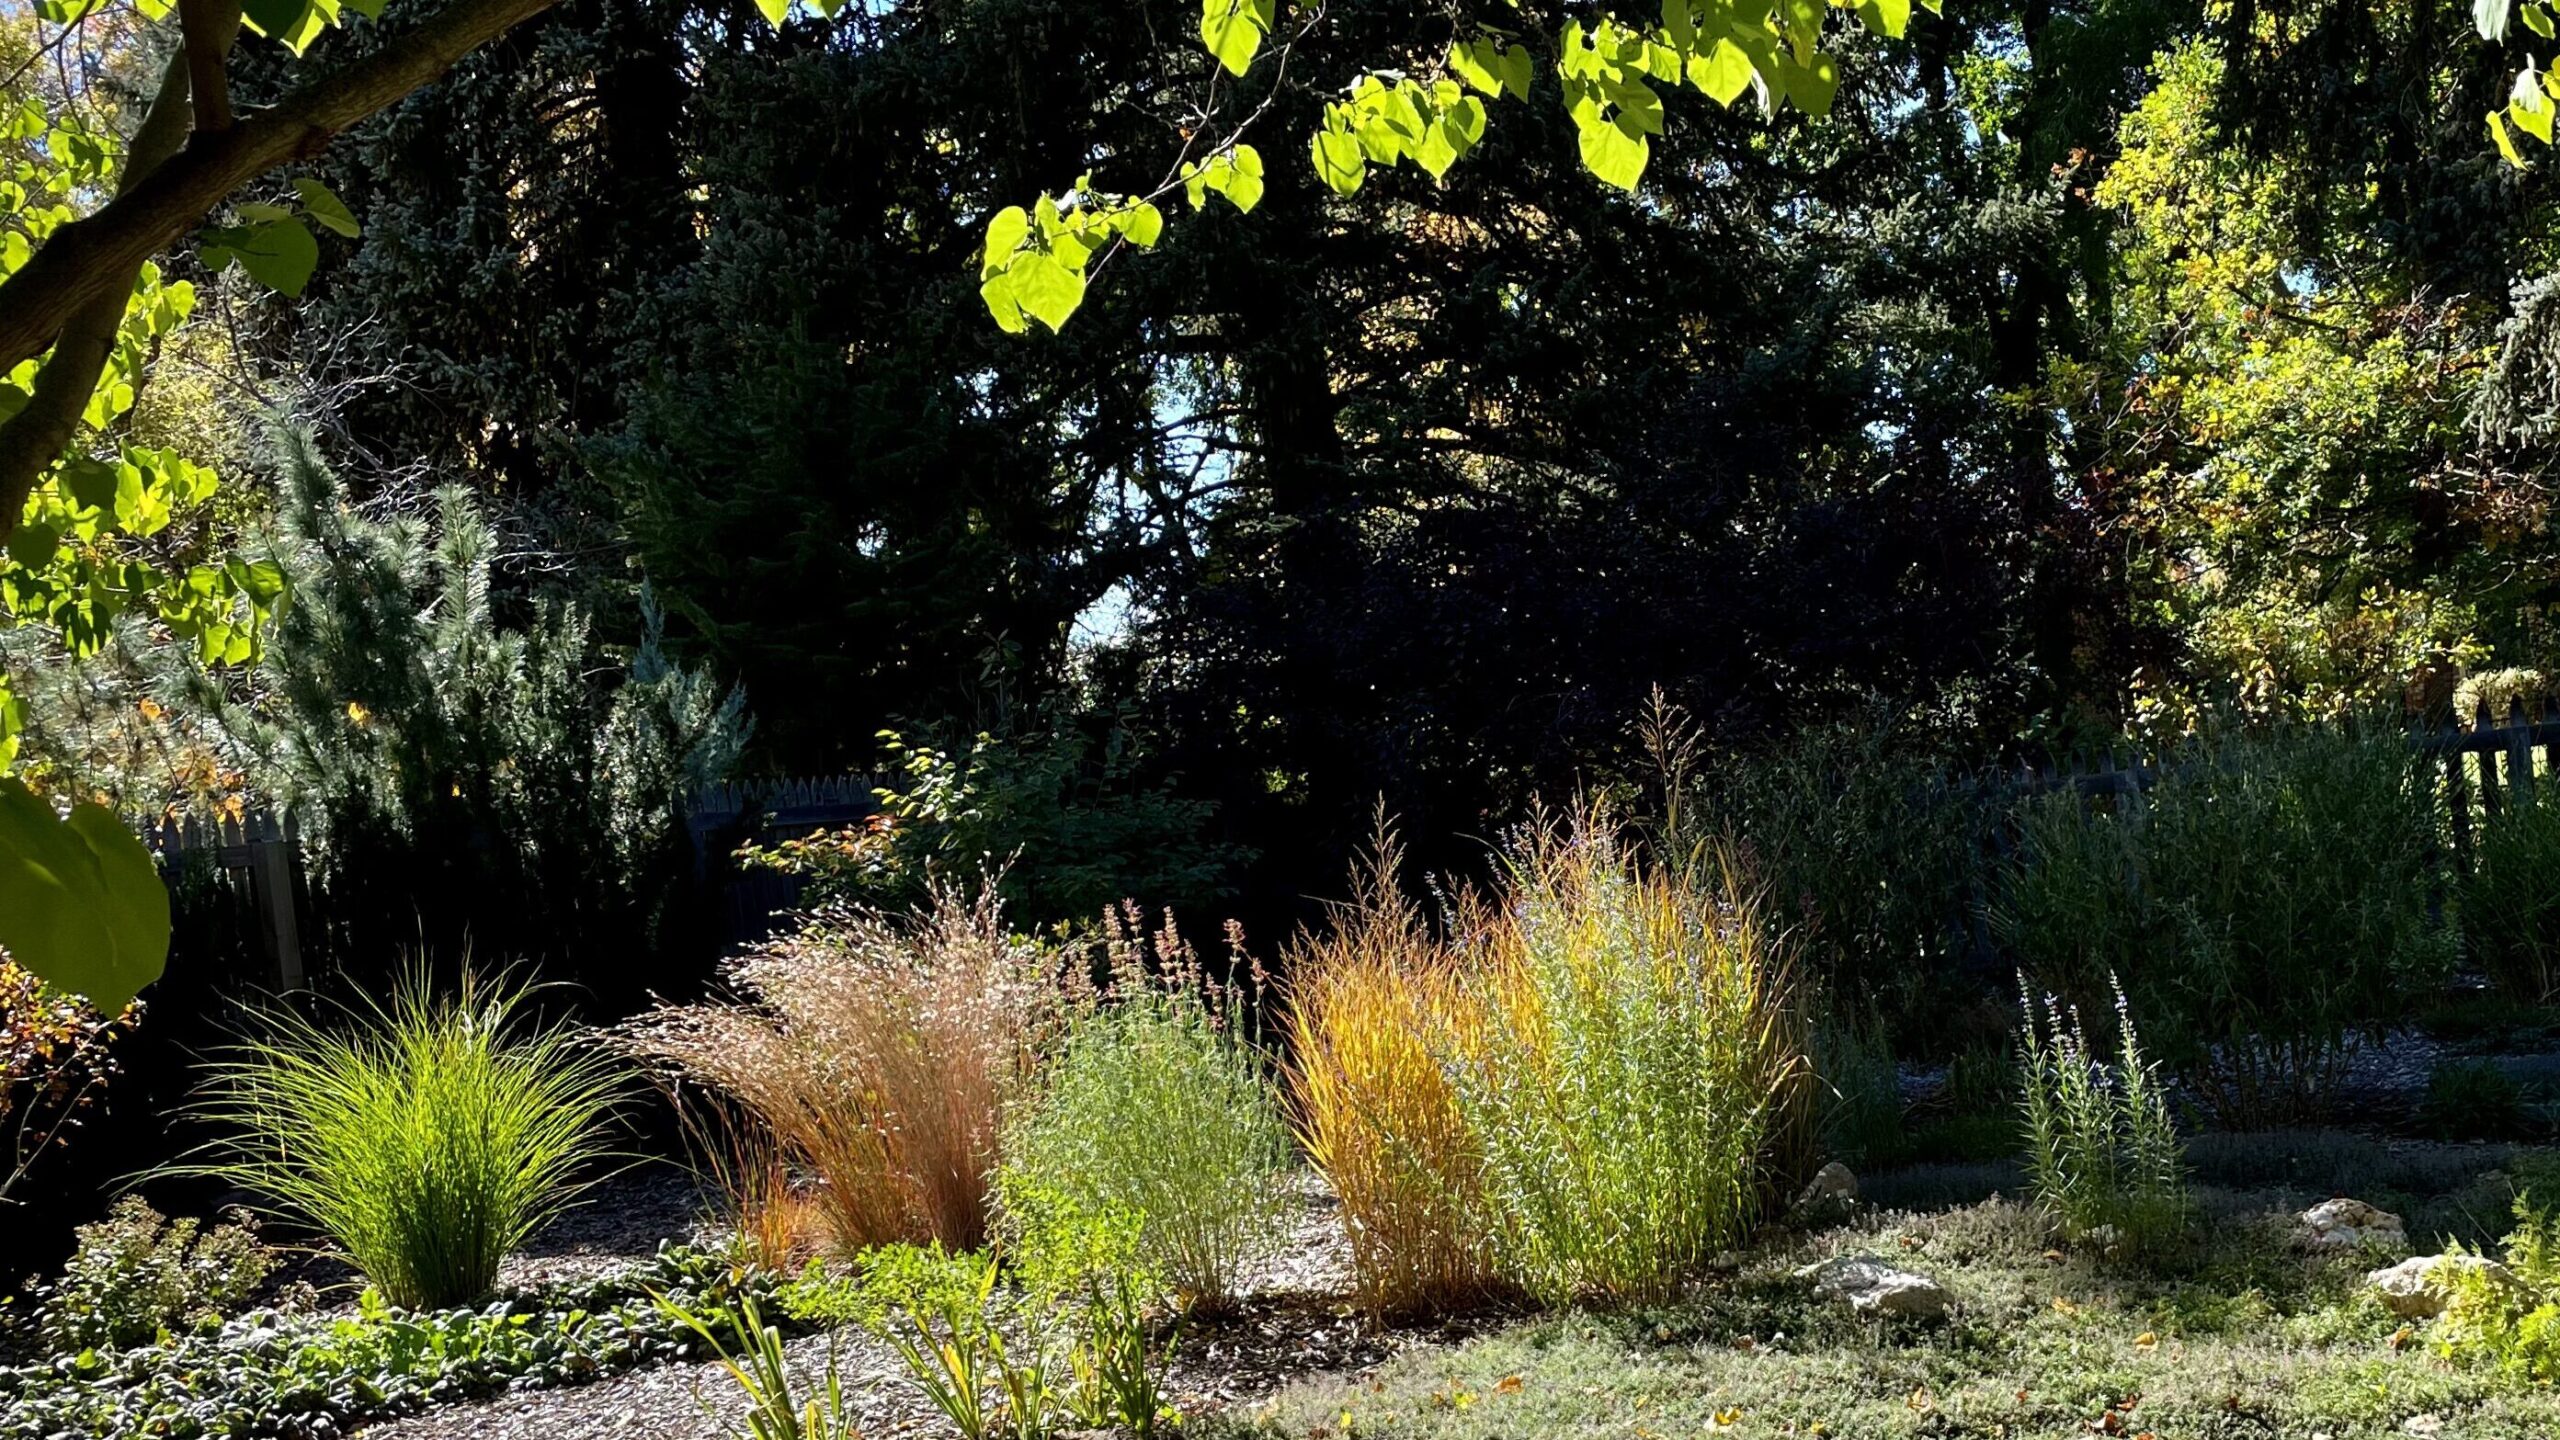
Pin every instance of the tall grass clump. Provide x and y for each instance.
(1156, 1102)
(774, 1219)
(877, 1051)
(1866, 858)
(2266, 904)
(2102, 1151)
(2510, 905)
(427, 1135)
(1375, 1003)
(1635, 1039)
(1860, 1115)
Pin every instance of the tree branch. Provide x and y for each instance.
(35, 437)
(210, 27)
(99, 253)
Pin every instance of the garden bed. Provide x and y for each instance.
(2246, 1334)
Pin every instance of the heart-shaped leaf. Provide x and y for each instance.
(81, 903)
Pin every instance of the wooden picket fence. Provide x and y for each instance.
(2486, 766)
(257, 856)
(2490, 765)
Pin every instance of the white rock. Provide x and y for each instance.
(1873, 1287)
(2420, 1286)
(2349, 1224)
(1833, 1187)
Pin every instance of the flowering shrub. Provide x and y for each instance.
(53, 1060)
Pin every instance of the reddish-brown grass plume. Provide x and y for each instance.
(876, 1052)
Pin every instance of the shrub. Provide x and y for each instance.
(2472, 1100)
(2102, 1152)
(1867, 859)
(877, 1053)
(1373, 1001)
(2510, 908)
(1056, 797)
(1076, 1342)
(1157, 1102)
(2512, 1321)
(1634, 1037)
(427, 1137)
(1086, 1274)
(54, 1058)
(136, 1276)
(937, 1312)
(2265, 905)
(464, 771)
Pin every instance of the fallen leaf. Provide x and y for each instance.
(1507, 1385)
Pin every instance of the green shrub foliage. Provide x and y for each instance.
(137, 1276)
(2509, 901)
(465, 769)
(1158, 1104)
(2513, 1320)
(271, 1375)
(2266, 903)
(1868, 857)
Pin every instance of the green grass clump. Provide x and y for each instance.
(427, 1136)
(1157, 1103)
(1634, 1038)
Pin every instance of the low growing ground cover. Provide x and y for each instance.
(287, 1375)
(2243, 1334)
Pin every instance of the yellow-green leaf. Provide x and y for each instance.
(1723, 72)
(1609, 152)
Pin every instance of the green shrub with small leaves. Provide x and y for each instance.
(1158, 1104)
(2510, 1320)
(137, 1277)
(1089, 1274)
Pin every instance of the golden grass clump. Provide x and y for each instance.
(877, 1052)
(1369, 1000)
(1575, 1092)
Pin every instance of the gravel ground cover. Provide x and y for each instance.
(1294, 1321)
